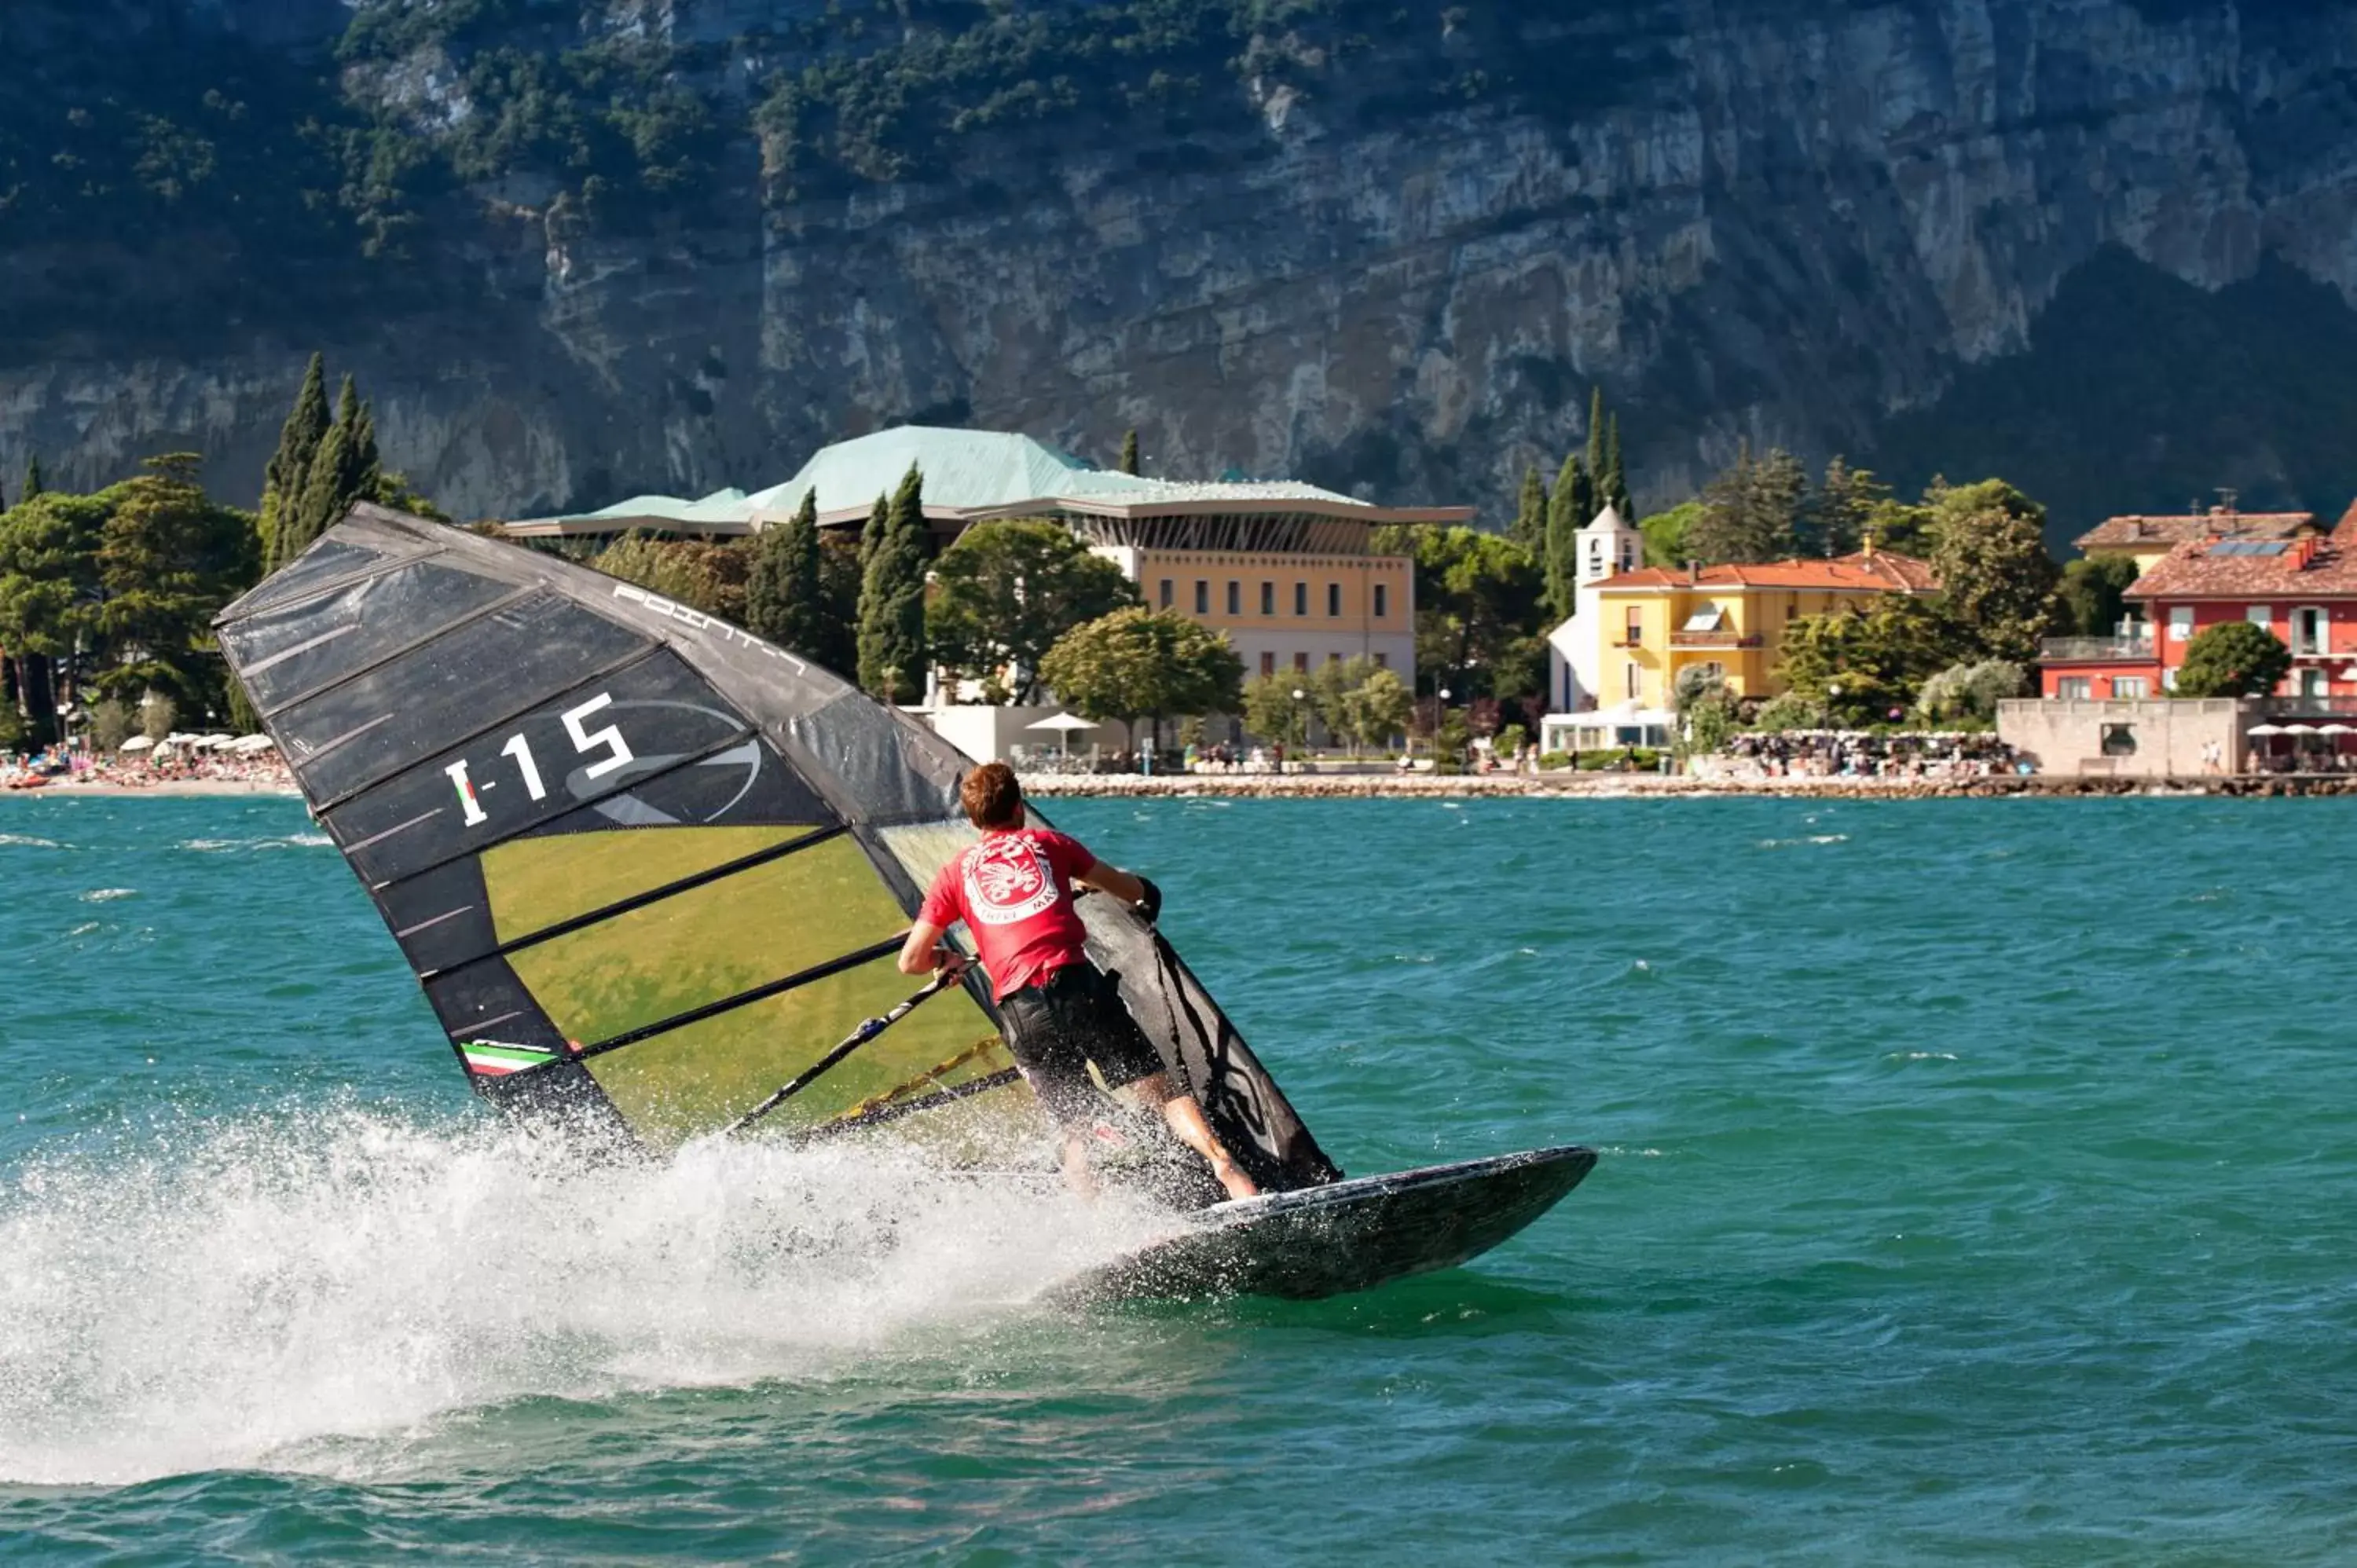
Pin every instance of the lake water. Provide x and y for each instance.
(1978, 1184)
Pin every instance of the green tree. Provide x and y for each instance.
(1531, 514)
(1140, 663)
(785, 594)
(1480, 605)
(1380, 707)
(1006, 591)
(1844, 509)
(2094, 591)
(1972, 691)
(1752, 512)
(892, 656)
(1272, 712)
(840, 575)
(1858, 664)
(33, 485)
(1597, 463)
(343, 470)
(696, 573)
(169, 558)
(2232, 659)
(1129, 453)
(1570, 508)
(1666, 534)
(1612, 484)
(1988, 550)
(285, 479)
(878, 529)
(49, 591)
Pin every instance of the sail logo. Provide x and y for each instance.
(1007, 880)
(696, 620)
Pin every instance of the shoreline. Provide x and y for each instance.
(181, 789)
(1627, 786)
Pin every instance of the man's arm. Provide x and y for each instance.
(1113, 879)
(922, 954)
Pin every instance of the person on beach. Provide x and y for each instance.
(1063, 1016)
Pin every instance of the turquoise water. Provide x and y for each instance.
(1978, 1186)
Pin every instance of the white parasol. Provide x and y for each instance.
(1064, 724)
(2266, 729)
(137, 742)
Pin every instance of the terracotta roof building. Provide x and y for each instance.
(2146, 540)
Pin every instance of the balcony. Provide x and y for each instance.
(2107, 650)
(1714, 640)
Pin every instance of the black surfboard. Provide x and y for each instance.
(1346, 1236)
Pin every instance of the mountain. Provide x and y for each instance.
(577, 249)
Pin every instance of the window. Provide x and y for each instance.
(1333, 658)
(1333, 600)
(1165, 594)
(1268, 598)
(2310, 625)
(1707, 617)
(1301, 661)
(2312, 683)
(2260, 615)
(1635, 627)
(1202, 597)
(1268, 663)
(2073, 688)
(2181, 623)
(1791, 606)
(1301, 598)
(1382, 600)
(1382, 661)
(1236, 598)
(1596, 558)
(2169, 680)
(2118, 740)
(1633, 679)
(2131, 688)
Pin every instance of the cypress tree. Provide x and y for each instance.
(33, 485)
(785, 600)
(892, 600)
(342, 470)
(1567, 515)
(871, 536)
(290, 465)
(1531, 514)
(1595, 439)
(1613, 487)
(1129, 453)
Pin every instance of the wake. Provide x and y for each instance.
(222, 1295)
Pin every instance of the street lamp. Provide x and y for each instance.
(1439, 719)
(1297, 729)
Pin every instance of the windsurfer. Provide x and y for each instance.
(1014, 892)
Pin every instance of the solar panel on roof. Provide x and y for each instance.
(2251, 547)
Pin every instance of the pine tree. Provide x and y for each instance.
(1531, 514)
(1596, 469)
(785, 600)
(298, 439)
(892, 600)
(33, 485)
(1129, 453)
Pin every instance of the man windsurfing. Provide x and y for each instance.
(1014, 892)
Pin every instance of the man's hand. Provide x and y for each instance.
(949, 964)
(1149, 900)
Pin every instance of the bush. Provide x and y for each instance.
(112, 723)
(1604, 760)
(1790, 712)
(1971, 690)
(1552, 759)
(156, 717)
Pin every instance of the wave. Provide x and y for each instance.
(27, 841)
(258, 1293)
(226, 846)
(107, 894)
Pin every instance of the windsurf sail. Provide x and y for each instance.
(648, 868)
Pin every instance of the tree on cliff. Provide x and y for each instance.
(1007, 591)
(1996, 580)
(892, 658)
(2232, 659)
(33, 485)
(1752, 512)
(290, 466)
(344, 470)
(1129, 453)
(785, 595)
(1531, 514)
(1138, 663)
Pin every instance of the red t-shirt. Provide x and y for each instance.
(1014, 891)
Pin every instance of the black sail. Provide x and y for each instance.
(647, 866)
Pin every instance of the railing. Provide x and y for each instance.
(2058, 650)
(1714, 640)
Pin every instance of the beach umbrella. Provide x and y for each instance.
(137, 742)
(2337, 729)
(2296, 729)
(215, 742)
(1064, 724)
(251, 744)
(2266, 729)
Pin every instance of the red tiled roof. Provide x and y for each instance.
(2132, 532)
(1883, 572)
(2320, 566)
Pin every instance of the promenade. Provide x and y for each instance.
(1625, 786)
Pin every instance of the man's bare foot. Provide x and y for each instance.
(1238, 1184)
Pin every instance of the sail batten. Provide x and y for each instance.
(648, 868)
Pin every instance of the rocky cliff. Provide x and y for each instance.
(2102, 247)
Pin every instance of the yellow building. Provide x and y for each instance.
(1618, 660)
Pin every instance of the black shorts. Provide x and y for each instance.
(1055, 1029)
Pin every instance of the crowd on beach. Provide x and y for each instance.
(1862, 754)
(76, 768)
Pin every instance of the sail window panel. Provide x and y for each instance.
(285, 652)
(325, 562)
(404, 711)
(714, 943)
(705, 1075)
(442, 918)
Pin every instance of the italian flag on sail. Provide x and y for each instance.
(494, 1060)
